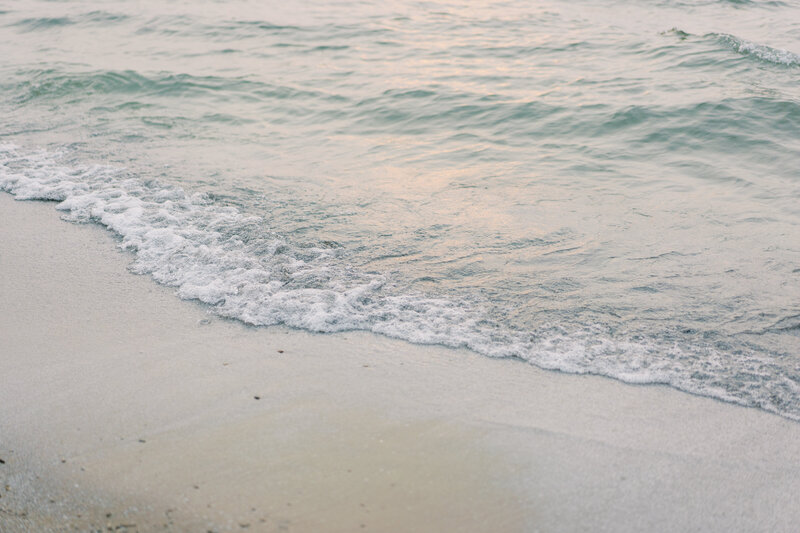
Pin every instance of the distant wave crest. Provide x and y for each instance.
(50, 23)
(763, 52)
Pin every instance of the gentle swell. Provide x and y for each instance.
(52, 84)
(49, 23)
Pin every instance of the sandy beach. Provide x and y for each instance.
(124, 408)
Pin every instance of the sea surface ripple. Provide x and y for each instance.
(594, 187)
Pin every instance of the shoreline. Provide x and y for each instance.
(123, 406)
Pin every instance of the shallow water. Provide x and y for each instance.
(591, 186)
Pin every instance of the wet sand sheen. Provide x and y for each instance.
(121, 405)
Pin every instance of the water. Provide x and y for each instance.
(592, 186)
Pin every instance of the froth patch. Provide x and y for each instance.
(241, 268)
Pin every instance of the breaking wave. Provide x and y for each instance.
(762, 52)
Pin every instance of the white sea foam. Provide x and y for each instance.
(243, 270)
(227, 259)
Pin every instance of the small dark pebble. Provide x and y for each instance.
(280, 351)
(108, 515)
(2, 462)
(256, 397)
(142, 441)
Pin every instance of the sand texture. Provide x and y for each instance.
(125, 408)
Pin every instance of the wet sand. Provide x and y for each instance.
(123, 407)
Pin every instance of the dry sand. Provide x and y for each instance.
(123, 407)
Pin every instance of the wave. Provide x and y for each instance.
(53, 83)
(43, 23)
(227, 259)
(762, 52)
(767, 4)
(751, 3)
(244, 269)
(48, 23)
(425, 110)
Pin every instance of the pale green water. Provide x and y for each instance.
(607, 187)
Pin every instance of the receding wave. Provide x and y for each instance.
(244, 269)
